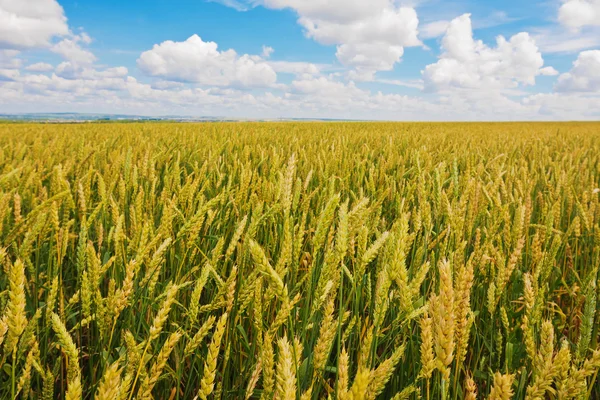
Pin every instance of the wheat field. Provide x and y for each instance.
(299, 261)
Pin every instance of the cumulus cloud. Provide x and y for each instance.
(69, 70)
(584, 76)
(326, 97)
(195, 60)
(118, 94)
(70, 49)
(370, 35)
(333, 10)
(113, 90)
(394, 26)
(434, 29)
(31, 23)
(55, 85)
(467, 63)
(40, 67)
(576, 14)
(56, 88)
(9, 60)
(324, 86)
(8, 74)
(296, 67)
(167, 85)
(369, 58)
(36, 24)
(564, 106)
(267, 51)
(471, 80)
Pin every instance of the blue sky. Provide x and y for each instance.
(364, 59)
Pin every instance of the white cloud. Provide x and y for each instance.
(370, 57)
(34, 24)
(564, 106)
(470, 81)
(484, 105)
(414, 84)
(201, 62)
(235, 4)
(331, 10)
(108, 92)
(267, 51)
(9, 60)
(166, 85)
(71, 50)
(557, 39)
(72, 71)
(576, 14)
(434, 29)
(321, 97)
(296, 67)
(560, 43)
(494, 19)
(470, 64)
(548, 71)
(325, 97)
(7, 74)
(370, 35)
(323, 86)
(95, 85)
(113, 91)
(584, 76)
(394, 26)
(30, 23)
(39, 67)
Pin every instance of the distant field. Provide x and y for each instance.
(299, 261)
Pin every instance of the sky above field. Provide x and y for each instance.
(348, 59)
